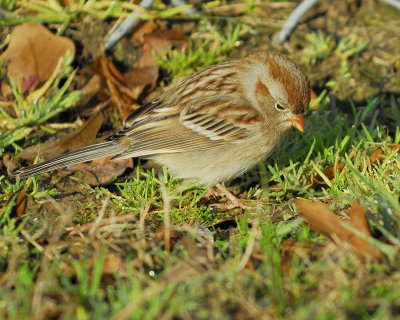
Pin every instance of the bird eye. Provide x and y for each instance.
(279, 107)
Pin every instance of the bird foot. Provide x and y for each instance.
(223, 191)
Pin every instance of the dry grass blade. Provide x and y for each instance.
(75, 230)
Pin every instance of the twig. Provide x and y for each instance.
(302, 8)
(31, 240)
(104, 222)
(393, 3)
(125, 26)
(294, 18)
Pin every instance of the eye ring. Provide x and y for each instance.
(279, 107)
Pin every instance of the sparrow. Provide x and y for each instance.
(211, 127)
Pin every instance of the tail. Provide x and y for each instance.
(92, 152)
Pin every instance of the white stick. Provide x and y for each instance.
(125, 26)
(294, 18)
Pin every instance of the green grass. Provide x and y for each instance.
(207, 47)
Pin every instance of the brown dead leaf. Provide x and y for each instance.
(278, 213)
(20, 204)
(314, 179)
(79, 138)
(147, 27)
(34, 51)
(330, 171)
(101, 171)
(127, 88)
(10, 164)
(160, 235)
(358, 220)
(377, 155)
(326, 222)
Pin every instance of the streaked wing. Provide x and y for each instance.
(163, 130)
(221, 120)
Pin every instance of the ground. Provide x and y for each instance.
(320, 238)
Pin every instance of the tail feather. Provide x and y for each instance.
(89, 153)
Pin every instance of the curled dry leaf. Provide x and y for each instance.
(34, 51)
(330, 171)
(79, 138)
(326, 222)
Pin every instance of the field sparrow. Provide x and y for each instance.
(212, 126)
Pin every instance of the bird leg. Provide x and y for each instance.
(236, 203)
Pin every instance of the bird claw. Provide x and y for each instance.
(222, 191)
(229, 206)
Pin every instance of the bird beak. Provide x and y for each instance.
(298, 122)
